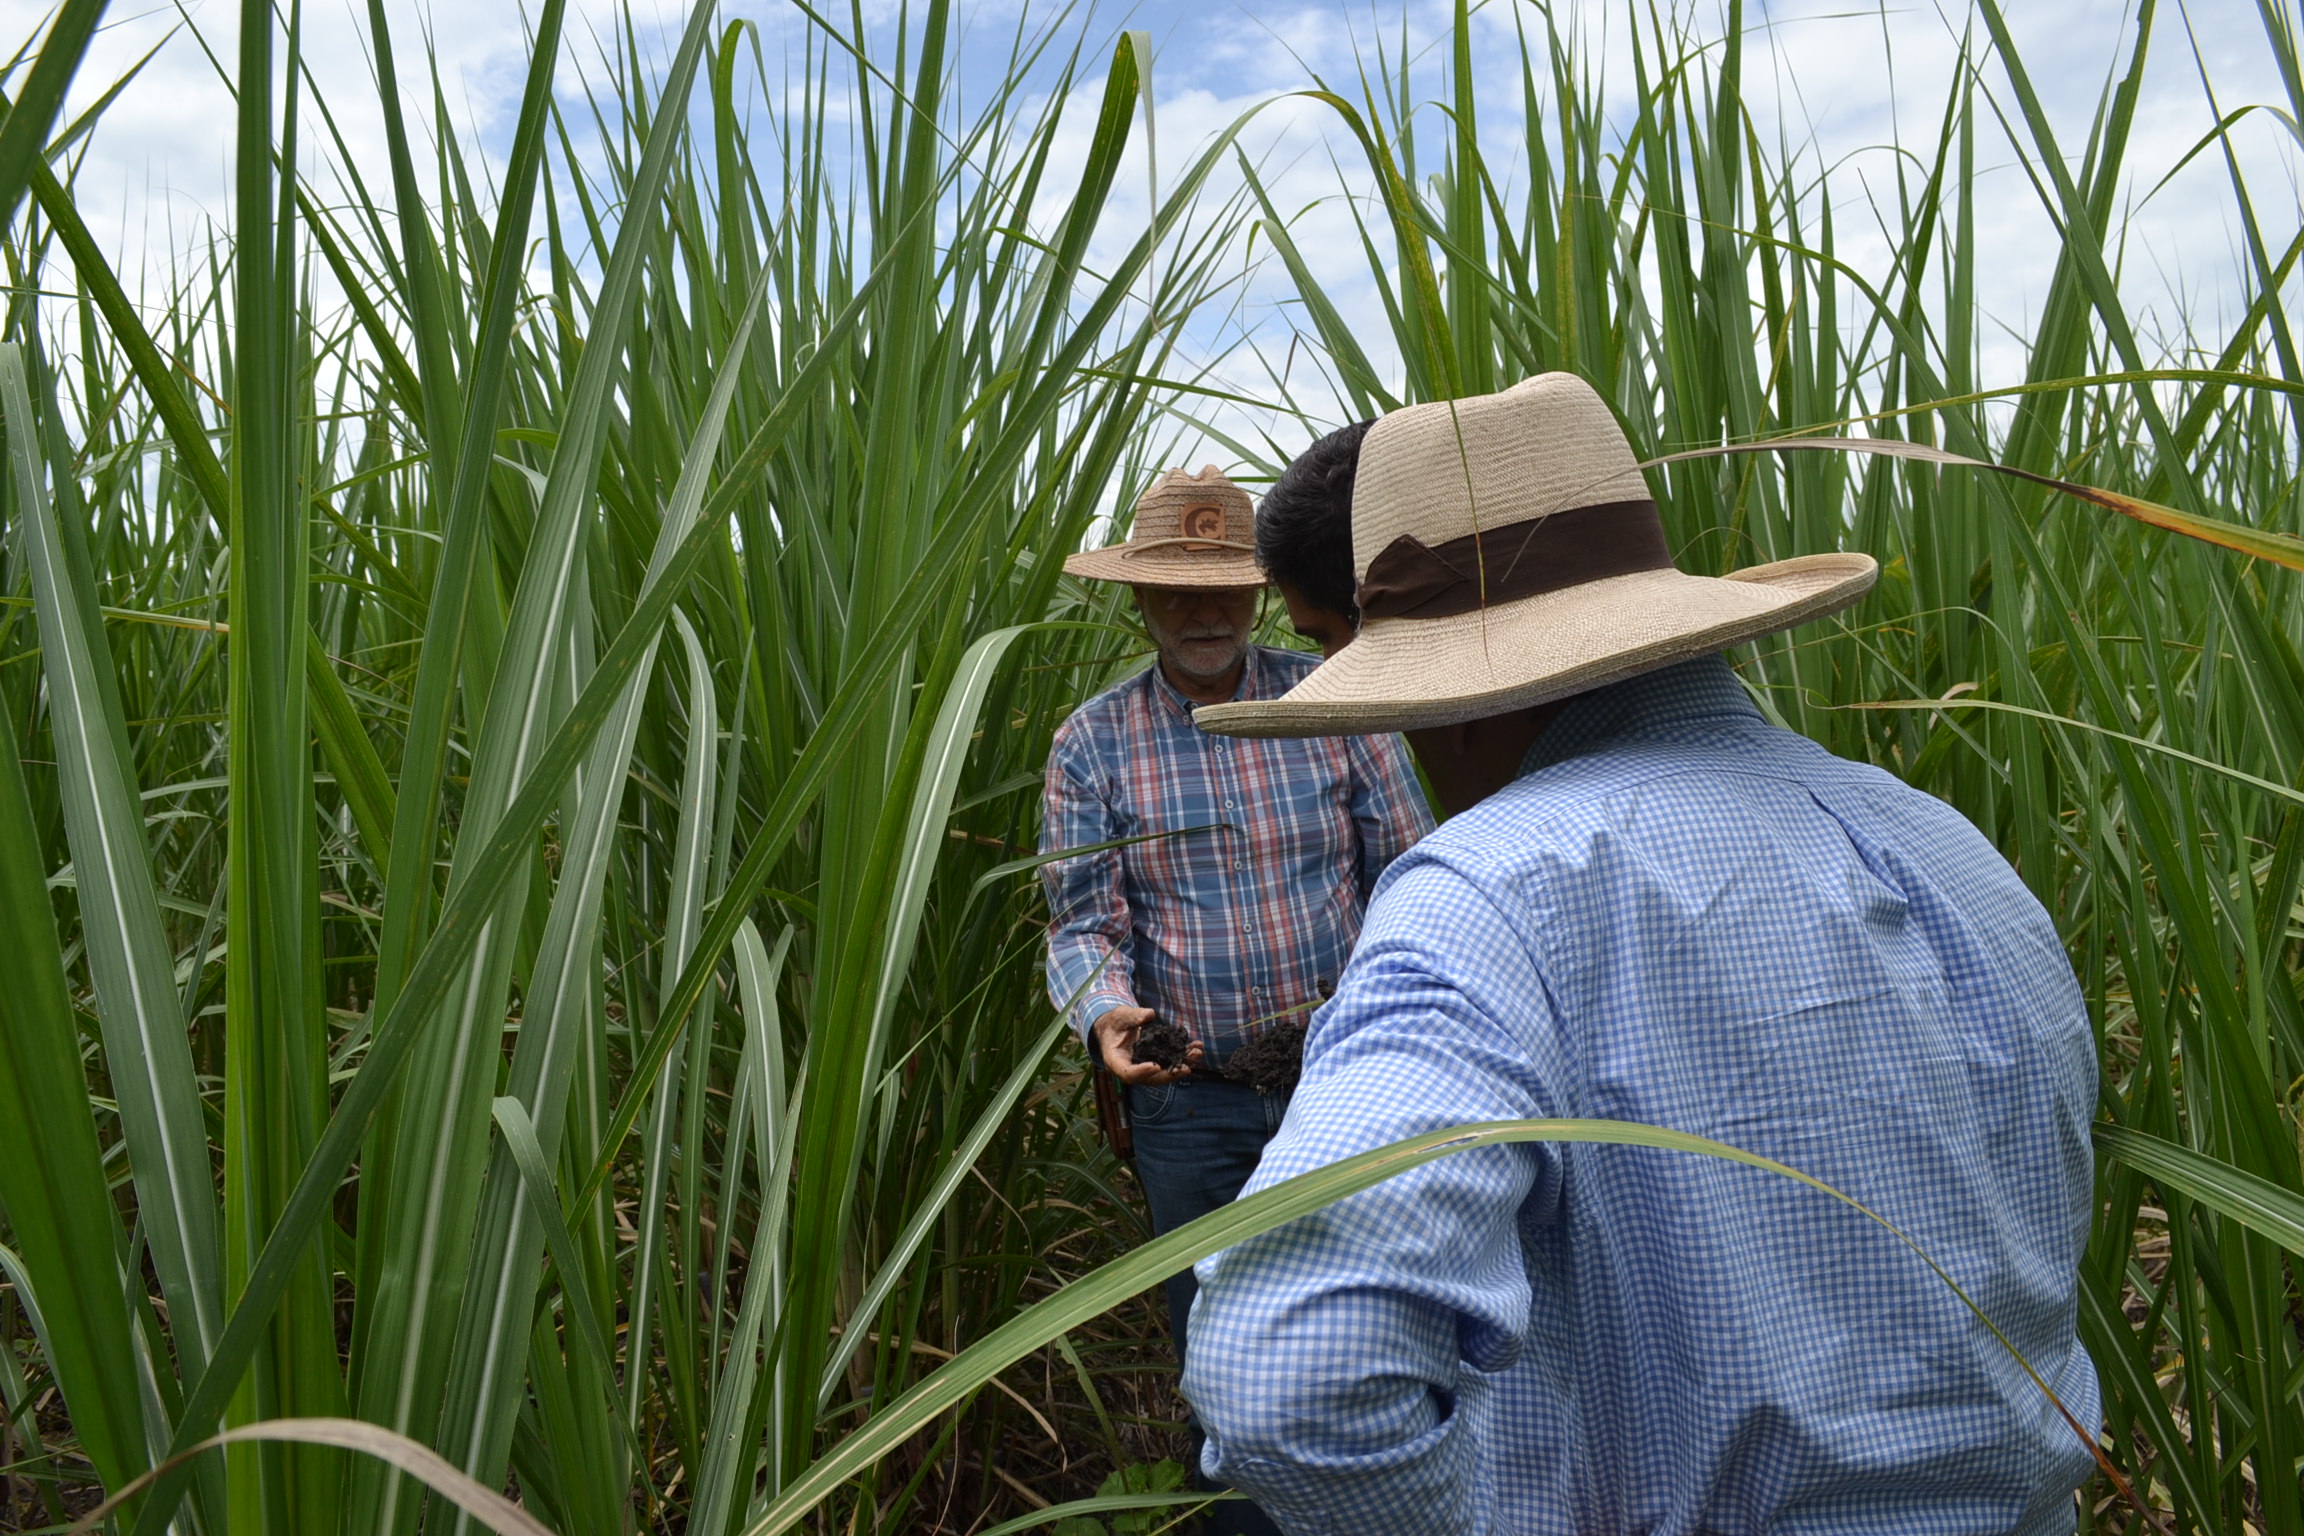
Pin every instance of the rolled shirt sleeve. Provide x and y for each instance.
(1388, 806)
(1089, 969)
(1340, 1363)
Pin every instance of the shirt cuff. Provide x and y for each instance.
(1089, 1009)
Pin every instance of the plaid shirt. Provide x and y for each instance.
(1219, 929)
(1681, 916)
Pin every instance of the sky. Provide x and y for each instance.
(1840, 79)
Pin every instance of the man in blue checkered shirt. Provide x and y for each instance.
(1649, 904)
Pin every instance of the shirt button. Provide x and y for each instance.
(1228, 805)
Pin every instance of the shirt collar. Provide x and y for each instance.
(1251, 686)
(1651, 704)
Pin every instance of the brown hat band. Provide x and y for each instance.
(1132, 549)
(1412, 580)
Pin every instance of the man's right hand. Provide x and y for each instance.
(1116, 1030)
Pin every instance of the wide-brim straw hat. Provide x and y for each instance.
(1190, 531)
(1508, 555)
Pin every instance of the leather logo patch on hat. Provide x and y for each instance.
(1203, 522)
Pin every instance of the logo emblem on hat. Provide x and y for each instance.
(1204, 522)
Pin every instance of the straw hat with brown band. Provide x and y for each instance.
(1189, 531)
(1508, 555)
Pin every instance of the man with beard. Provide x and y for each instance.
(1210, 937)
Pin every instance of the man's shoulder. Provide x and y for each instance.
(1554, 816)
(1104, 712)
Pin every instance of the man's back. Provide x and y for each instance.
(1683, 917)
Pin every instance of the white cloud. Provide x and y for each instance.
(1857, 93)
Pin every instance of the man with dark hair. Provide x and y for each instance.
(1304, 538)
(1304, 544)
(1225, 880)
(1649, 905)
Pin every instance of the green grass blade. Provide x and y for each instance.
(428, 1223)
(2257, 1204)
(734, 1442)
(483, 1377)
(1188, 1504)
(448, 951)
(24, 132)
(528, 1156)
(409, 893)
(51, 1176)
(963, 1160)
(275, 1065)
(128, 953)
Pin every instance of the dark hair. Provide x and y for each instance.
(1304, 527)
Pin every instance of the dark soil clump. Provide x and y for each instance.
(1272, 1061)
(1163, 1044)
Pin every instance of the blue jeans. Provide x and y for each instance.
(1197, 1141)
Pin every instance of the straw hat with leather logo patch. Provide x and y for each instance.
(1188, 531)
(1508, 555)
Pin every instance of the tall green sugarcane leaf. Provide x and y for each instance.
(1357, 376)
(1417, 276)
(24, 132)
(923, 839)
(460, 464)
(2256, 1203)
(685, 904)
(360, 775)
(1470, 341)
(351, 754)
(51, 1172)
(967, 1372)
(734, 1442)
(451, 945)
(527, 1156)
(441, 1136)
(275, 1064)
(2083, 244)
(416, 827)
(2127, 739)
(492, 1334)
(947, 751)
(128, 952)
(894, 1263)
(865, 879)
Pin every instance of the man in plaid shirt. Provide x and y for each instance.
(1238, 908)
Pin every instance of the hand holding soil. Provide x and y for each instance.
(1138, 1047)
(1273, 1061)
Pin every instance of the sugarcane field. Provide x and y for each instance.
(964, 768)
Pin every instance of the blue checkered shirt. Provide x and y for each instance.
(1684, 916)
(1224, 928)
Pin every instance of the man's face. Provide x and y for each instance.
(1324, 627)
(1201, 634)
